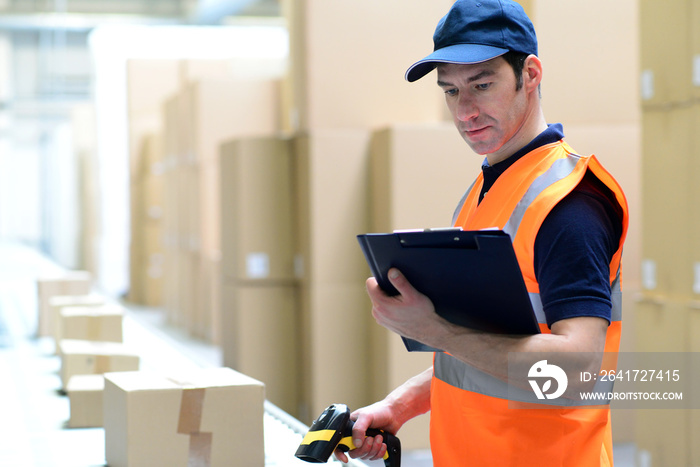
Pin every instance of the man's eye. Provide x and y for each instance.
(451, 92)
(483, 86)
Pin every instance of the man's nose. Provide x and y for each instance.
(466, 109)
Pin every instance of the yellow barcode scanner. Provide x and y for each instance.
(333, 429)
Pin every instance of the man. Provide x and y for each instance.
(567, 218)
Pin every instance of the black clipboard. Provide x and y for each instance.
(472, 277)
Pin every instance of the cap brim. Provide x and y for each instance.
(463, 54)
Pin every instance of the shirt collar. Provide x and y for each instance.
(553, 133)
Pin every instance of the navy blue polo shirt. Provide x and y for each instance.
(575, 243)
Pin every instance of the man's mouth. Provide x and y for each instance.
(475, 131)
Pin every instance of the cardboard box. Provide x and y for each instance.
(69, 283)
(667, 161)
(332, 196)
(666, 52)
(419, 173)
(694, 415)
(332, 199)
(153, 157)
(92, 323)
(695, 201)
(207, 299)
(219, 110)
(147, 263)
(57, 303)
(257, 209)
(260, 338)
(572, 96)
(662, 325)
(222, 109)
(336, 321)
(695, 46)
(85, 396)
(378, 45)
(153, 280)
(199, 119)
(185, 266)
(331, 183)
(149, 84)
(80, 357)
(210, 417)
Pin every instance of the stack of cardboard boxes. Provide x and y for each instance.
(146, 252)
(259, 313)
(213, 111)
(198, 417)
(87, 332)
(147, 173)
(180, 111)
(668, 317)
(72, 283)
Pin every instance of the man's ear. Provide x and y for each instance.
(532, 73)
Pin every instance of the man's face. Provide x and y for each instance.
(486, 108)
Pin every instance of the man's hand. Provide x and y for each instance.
(407, 401)
(378, 415)
(410, 314)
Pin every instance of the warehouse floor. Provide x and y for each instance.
(35, 413)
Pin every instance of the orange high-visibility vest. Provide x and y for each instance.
(471, 422)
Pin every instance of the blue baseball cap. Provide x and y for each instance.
(474, 31)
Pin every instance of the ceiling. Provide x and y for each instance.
(45, 63)
(187, 11)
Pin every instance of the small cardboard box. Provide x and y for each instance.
(80, 357)
(92, 323)
(57, 303)
(85, 396)
(211, 417)
(70, 283)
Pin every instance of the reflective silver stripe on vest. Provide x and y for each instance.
(460, 205)
(464, 376)
(458, 374)
(561, 168)
(537, 307)
(615, 297)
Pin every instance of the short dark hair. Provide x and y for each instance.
(516, 60)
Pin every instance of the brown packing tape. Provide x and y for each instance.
(191, 408)
(200, 450)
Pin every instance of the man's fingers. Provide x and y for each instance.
(340, 455)
(381, 453)
(359, 430)
(398, 280)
